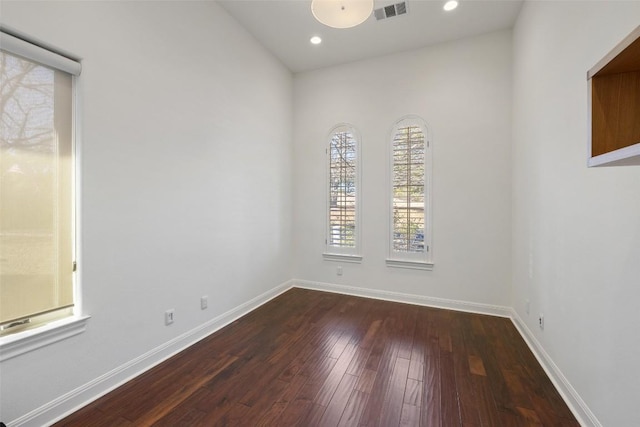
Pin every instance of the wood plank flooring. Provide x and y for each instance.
(311, 358)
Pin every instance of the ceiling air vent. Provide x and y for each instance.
(391, 11)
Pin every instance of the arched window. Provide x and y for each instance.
(343, 163)
(410, 195)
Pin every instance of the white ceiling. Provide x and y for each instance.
(285, 27)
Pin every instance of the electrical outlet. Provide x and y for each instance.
(527, 305)
(204, 302)
(541, 321)
(168, 316)
(339, 270)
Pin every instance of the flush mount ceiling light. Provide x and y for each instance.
(450, 5)
(341, 13)
(315, 40)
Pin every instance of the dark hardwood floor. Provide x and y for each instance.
(311, 358)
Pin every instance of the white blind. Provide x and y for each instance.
(408, 182)
(342, 189)
(36, 182)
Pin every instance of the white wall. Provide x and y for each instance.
(576, 235)
(463, 91)
(157, 175)
(186, 157)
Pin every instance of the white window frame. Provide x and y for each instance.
(415, 260)
(18, 343)
(335, 253)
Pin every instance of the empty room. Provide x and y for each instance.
(327, 212)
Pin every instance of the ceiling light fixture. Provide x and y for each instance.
(450, 5)
(315, 40)
(341, 13)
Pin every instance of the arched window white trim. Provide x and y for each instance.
(409, 181)
(342, 235)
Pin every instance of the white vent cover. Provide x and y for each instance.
(390, 11)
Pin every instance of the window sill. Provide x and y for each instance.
(24, 342)
(342, 257)
(415, 265)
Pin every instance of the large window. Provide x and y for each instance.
(410, 214)
(36, 186)
(342, 238)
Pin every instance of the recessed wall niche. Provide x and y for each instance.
(614, 101)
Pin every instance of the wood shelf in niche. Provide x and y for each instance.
(614, 98)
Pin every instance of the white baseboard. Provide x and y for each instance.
(469, 307)
(578, 407)
(81, 396)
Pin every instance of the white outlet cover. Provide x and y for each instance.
(204, 302)
(541, 321)
(169, 317)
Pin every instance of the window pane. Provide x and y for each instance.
(408, 189)
(342, 190)
(35, 189)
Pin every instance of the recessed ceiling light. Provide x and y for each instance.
(315, 40)
(450, 5)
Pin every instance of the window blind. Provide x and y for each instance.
(408, 186)
(36, 185)
(342, 189)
